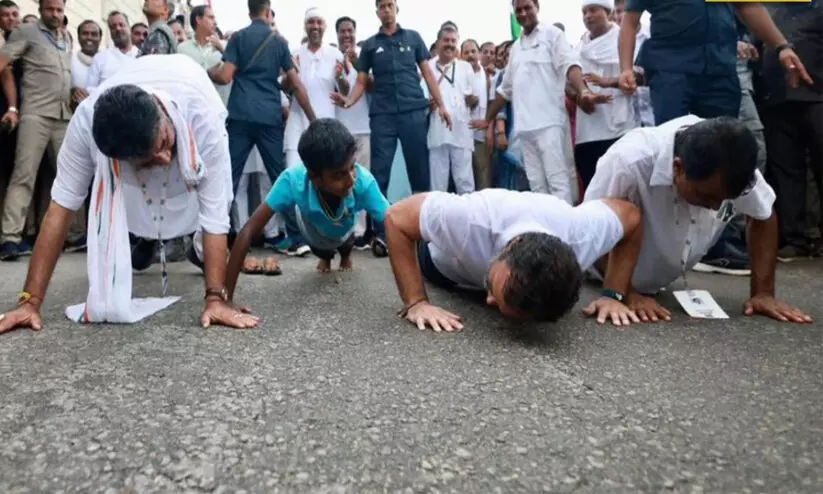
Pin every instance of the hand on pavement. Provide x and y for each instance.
(221, 313)
(425, 315)
(25, 316)
(609, 309)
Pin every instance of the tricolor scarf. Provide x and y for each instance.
(109, 253)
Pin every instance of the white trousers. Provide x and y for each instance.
(544, 158)
(363, 157)
(447, 159)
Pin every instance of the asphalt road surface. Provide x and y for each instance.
(334, 394)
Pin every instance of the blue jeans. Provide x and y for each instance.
(243, 136)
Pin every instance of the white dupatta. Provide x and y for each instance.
(109, 252)
(600, 56)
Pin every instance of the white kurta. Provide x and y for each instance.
(190, 88)
(317, 72)
(107, 63)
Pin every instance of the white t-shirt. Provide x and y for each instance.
(467, 232)
(456, 82)
(191, 90)
(107, 63)
(609, 120)
(317, 72)
(356, 118)
(639, 168)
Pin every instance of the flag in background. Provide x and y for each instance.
(515, 27)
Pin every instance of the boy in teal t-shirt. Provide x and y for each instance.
(326, 193)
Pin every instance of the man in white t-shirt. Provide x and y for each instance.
(690, 177)
(481, 156)
(108, 62)
(321, 70)
(527, 251)
(451, 146)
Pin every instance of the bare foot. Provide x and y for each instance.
(324, 266)
(345, 263)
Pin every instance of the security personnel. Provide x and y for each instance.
(398, 107)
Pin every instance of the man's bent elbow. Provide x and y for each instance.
(629, 214)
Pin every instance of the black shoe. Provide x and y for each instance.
(142, 254)
(191, 255)
(790, 253)
(9, 251)
(78, 245)
(379, 247)
(362, 243)
(724, 265)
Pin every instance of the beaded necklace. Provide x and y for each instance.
(158, 218)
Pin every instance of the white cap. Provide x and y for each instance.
(606, 4)
(314, 13)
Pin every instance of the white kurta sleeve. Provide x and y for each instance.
(214, 192)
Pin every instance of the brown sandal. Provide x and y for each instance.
(253, 265)
(271, 267)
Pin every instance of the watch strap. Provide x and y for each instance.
(612, 294)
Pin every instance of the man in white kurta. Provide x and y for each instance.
(540, 64)
(450, 149)
(157, 199)
(108, 62)
(321, 71)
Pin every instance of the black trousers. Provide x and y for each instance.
(429, 270)
(586, 156)
(794, 143)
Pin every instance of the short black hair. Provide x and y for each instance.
(117, 12)
(256, 7)
(8, 4)
(447, 27)
(197, 13)
(326, 145)
(139, 24)
(178, 19)
(126, 122)
(718, 145)
(82, 25)
(545, 277)
(449, 23)
(472, 41)
(342, 20)
(433, 47)
(487, 43)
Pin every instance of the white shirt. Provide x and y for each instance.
(610, 120)
(482, 89)
(535, 79)
(676, 235)
(190, 88)
(356, 118)
(107, 63)
(317, 72)
(456, 81)
(467, 232)
(79, 72)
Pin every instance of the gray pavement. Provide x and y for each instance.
(335, 395)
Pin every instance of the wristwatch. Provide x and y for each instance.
(220, 292)
(783, 47)
(12, 109)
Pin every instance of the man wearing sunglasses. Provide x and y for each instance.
(690, 177)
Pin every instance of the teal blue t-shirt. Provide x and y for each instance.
(293, 189)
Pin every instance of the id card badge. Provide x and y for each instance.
(699, 304)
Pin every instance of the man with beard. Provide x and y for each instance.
(108, 62)
(89, 35)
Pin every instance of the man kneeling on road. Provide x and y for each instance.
(690, 177)
(527, 251)
(153, 139)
